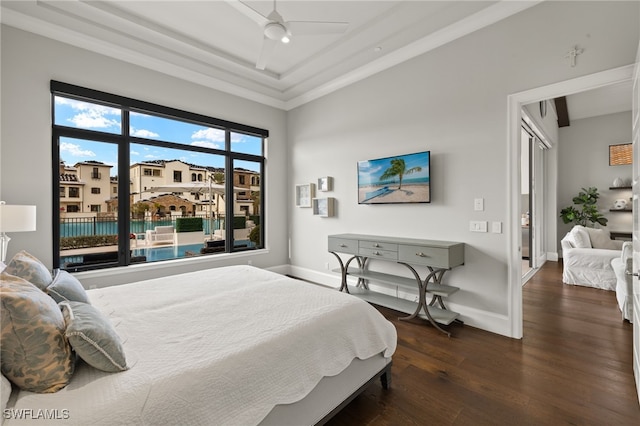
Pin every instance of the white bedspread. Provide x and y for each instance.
(217, 347)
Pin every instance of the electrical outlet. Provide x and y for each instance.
(478, 204)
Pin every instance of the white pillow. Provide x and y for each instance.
(601, 239)
(580, 237)
(627, 251)
(5, 390)
(2, 266)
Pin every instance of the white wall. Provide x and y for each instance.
(452, 101)
(29, 62)
(584, 162)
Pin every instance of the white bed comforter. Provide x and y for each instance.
(216, 347)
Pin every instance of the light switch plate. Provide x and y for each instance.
(496, 227)
(478, 226)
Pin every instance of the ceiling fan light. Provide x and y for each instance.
(275, 31)
(285, 39)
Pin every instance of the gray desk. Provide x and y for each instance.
(437, 256)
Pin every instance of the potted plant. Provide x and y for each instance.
(585, 211)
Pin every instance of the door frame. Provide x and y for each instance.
(515, 102)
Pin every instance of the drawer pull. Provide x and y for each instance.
(376, 245)
(343, 245)
(421, 254)
(377, 253)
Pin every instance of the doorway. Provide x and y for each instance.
(516, 102)
(533, 147)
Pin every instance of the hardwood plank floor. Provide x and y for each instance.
(573, 366)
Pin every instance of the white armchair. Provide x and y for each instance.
(161, 235)
(624, 283)
(586, 256)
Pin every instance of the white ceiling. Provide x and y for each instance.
(213, 44)
(601, 101)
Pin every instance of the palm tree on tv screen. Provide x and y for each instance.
(398, 168)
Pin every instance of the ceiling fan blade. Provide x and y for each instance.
(249, 12)
(316, 27)
(265, 53)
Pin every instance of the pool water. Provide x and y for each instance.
(174, 252)
(168, 252)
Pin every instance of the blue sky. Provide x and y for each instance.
(84, 115)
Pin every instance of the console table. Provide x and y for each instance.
(437, 256)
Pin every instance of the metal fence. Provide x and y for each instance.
(77, 226)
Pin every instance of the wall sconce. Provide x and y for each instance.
(14, 218)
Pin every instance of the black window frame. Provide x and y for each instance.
(125, 139)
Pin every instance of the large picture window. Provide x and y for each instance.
(138, 182)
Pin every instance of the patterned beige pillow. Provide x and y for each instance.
(35, 355)
(26, 266)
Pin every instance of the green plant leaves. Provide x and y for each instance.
(587, 213)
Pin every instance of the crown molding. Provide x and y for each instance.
(242, 86)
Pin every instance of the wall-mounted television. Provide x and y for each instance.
(398, 179)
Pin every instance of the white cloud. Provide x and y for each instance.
(134, 153)
(92, 120)
(143, 133)
(91, 115)
(207, 144)
(75, 150)
(214, 135)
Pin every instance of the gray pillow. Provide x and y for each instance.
(92, 337)
(65, 287)
(28, 267)
(35, 355)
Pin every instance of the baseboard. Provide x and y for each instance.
(484, 320)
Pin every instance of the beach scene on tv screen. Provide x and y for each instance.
(399, 179)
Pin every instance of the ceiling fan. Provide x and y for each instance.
(277, 30)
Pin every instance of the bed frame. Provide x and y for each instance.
(332, 394)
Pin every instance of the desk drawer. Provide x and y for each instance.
(428, 256)
(343, 245)
(378, 254)
(377, 245)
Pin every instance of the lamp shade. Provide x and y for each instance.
(14, 218)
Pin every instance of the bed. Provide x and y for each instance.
(232, 346)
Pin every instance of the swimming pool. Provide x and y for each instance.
(168, 252)
(175, 252)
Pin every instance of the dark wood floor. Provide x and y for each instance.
(573, 367)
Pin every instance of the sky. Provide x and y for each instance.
(84, 115)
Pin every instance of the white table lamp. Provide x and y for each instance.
(14, 218)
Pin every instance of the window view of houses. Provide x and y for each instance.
(192, 189)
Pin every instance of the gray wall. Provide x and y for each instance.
(452, 101)
(584, 162)
(29, 62)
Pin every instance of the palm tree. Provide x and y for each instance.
(398, 168)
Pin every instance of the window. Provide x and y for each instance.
(62, 191)
(145, 161)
